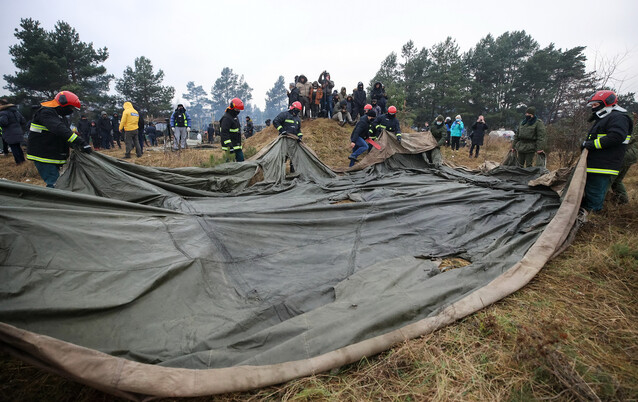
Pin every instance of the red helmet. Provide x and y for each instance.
(295, 105)
(236, 103)
(367, 107)
(606, 97)
(64, 98)
(392, 110)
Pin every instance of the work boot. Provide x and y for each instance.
(342, 123)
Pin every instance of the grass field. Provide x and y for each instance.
(570, 335)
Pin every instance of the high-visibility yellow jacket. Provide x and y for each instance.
(130, 118)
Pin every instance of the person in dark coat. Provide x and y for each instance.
(211, 132)
(151, 133)
(229, 131)
(141, 131)
(115, 125)
(479, 128)
(288, 122)
(359, 135)
(104, 128)
(293, 94)
(11, 122)
(606, 143)
(94, 134)
(249, 129)
(50, 136)
(359, 100)
(378, 93)
(83, 128)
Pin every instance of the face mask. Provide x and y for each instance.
(438, 123)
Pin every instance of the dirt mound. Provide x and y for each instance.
(329, 141)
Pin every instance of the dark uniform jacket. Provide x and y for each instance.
(83, 128)
(229, 130)
(50, 137)
(362, 129)
(439, 132)
(531, 136)
(294, 96)
(287, 123)
(384, 122)
(11, 121)
(610, 134)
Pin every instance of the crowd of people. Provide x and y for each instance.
(50, 134)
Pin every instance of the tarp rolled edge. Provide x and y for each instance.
(139, 381)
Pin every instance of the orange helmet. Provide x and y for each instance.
(236, 103)
(64, 98)
(367, 107)
(295, 105)
(392, 110)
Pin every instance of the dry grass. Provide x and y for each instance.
(569, 335)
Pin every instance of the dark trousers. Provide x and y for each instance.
(455, 142)
(130, 137)
(116, 137)
(18, 154)
(5, 148)
(478, 148)
(49, 172)
(595, 191)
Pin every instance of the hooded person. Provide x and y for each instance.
(11, 122)
(439, 132)
(456, 132)
(359, 101)
(83, 128)
(378, 93)
(327, 86)
(181, 123)
(104, 129)
(305, 88)
(129, 125)
(343, 94)
(529, 139)
(229, 131)
(50, 136)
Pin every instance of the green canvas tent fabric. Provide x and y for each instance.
(148, 282)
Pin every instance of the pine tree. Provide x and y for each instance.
(143, 88)
(276, 99)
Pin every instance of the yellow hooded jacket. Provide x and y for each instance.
(130, 118)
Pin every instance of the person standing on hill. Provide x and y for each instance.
(359, 99)
(229, 131)
(181, 123)
(316, 97)
(456, 132)
(304, 95)
(378, 93)
(129, 126)
(50, 136)
(479, 128)
(606, 143)
(529, 139)
(326, 86)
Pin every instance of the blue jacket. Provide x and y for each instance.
(457, 129)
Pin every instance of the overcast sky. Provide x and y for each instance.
(193, 40)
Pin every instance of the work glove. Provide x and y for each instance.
(588, 144)
(86, 149)
(399, 138)
(299, 138)
(282, 132)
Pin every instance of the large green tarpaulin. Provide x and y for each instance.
(240, 265)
